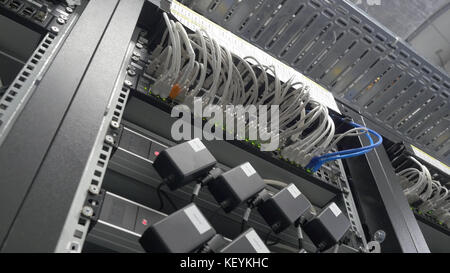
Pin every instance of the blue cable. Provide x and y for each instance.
(317, 162)
(370, 147)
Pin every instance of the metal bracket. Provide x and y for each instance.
(93, 205)
(113, 135)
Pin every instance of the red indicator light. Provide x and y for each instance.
(144, 222)
(156, 153)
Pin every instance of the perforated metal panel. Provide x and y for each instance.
(362, 63)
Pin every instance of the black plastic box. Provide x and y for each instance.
(247, 242)
(181, 164)
(328, 227)
(236, 186)
(183, 231)
(284, 208)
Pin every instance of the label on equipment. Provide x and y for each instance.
(256, 242)
(248, 169)
(334, 208)
(197, 219)
(197, 145)
(293, 190)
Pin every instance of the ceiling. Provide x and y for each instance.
(425, 24)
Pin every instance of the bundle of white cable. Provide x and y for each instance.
(419, 186)
(222, 78)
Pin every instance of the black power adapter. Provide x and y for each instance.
(327, 228)
(236, 186)
(183, 231)
(284, 208)
(247, 242)
(181, 164)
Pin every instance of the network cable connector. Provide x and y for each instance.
(445, 219)
(327, 228)
(414, 199)
(184, 231)
(440, 211)
(419, 186)
(284, 208)
(181, 164)
(236, 186)
(42, 13)
(247, 242)
(436, 199)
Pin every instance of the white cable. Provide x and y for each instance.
(191, 53)
(197, 61)
(275, 183)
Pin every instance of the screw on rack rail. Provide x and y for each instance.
(109, 140)
(55, 29)
(131, 72)
(113, 135)
(135, 58)
(94, 189)
(87, 211)
(61, 21)
(139, 45)
(92, 206)
(69, 10)
(114, 124)
(128, 83)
